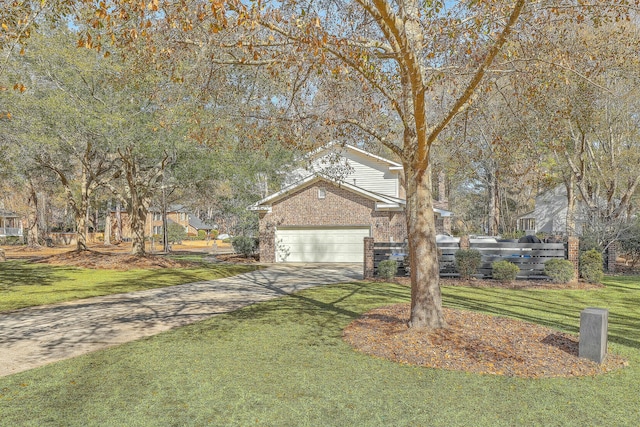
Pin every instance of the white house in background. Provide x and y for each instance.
(324, 211)
(10, 224)
(550, 214)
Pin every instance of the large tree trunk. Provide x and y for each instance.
(138, 215)
(494, 204)
(138, 208)
(107, 227)
(81, 215)
(426, 299)
(33, 232)
(80, 210)
(81, 232)
(118, 231)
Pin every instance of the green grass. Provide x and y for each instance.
(23, 284)
(283, 363)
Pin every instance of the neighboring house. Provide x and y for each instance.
(326, 211)
(550, 214)
(10, 224)
(153, 225)
(179, 215)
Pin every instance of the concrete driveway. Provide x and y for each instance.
(37, 336)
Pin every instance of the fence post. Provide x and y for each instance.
(573, 254)
(612, 256)
(368, 258)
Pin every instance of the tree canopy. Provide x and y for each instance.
(387, 73)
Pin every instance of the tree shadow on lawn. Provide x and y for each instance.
(326, 310)
(623, 328)
(158, 278)
(21, 273)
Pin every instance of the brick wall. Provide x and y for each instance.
(573, 254)
(369, 265)
(612, 256)
(339, 207)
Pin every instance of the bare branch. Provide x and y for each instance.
(475, 81)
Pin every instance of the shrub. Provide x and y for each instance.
(591, 268)
(512, 234)
(176, 233)
(504, 271)
(12, 240)
(244, 245)
(387, 269)
(630, 244)
(202, 234)
(467, 262)
(559, 270)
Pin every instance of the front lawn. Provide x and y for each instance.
(23, 284)
(283, 363)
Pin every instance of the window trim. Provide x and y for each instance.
(322, 193)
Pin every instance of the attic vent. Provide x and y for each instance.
(322, 193)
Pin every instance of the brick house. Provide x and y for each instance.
(178, 215)
(325, 215)
(153, 224)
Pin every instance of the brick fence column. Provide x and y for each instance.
(368, 258)
(612, 256)
(573, 254)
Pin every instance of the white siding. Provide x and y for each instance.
(354, 168)
(372, 175)
(551, 212)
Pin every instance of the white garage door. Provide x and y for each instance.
(321, 244)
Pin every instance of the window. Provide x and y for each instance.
(157, 216)
(157, 229)
(322, 193)
(527, 224)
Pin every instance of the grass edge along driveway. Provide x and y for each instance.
(24, 284)
(283, 362)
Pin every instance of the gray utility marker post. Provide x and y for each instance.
(593, 334)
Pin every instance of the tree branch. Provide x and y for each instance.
(475, 81)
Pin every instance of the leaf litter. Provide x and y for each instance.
(474, 342)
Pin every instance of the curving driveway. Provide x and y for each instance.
(37, 336)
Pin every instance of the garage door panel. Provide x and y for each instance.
(321, 244)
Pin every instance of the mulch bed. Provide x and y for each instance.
(238, 259)
(474, 342)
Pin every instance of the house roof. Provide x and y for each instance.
(443, 212)
(196, 223)
(530, 214)
(170, 209)
(8, 214)
(392, 165)
(383, 202)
